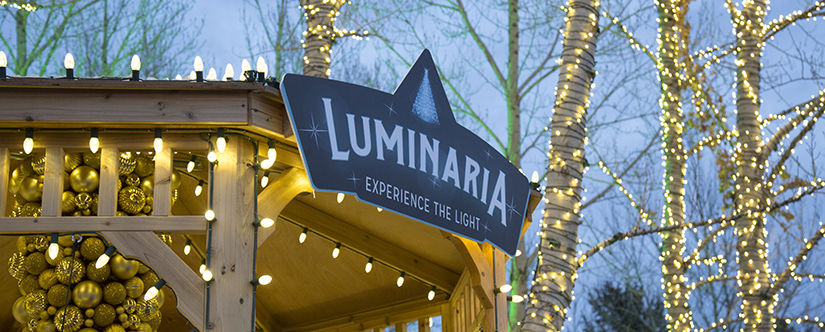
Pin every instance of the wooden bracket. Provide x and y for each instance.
(481, 274)
(277, 195)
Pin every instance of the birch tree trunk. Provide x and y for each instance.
(557, 261)
(319, 35)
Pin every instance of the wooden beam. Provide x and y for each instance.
(107, 198)
(424, 324)
(189, 288)
(277, 195)
(288, 156)
(231, 298)
(266, 112)
(125, 141)
(398, 314)
(172, 225)
(53, 183)
(5, 171)
(163, 183)
(480, 271)
(371, 245)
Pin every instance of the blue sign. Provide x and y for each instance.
(405, 152)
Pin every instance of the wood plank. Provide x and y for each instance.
(480, 271)
(107, 192)
(163, 183)
(401, 327)
(424, 324)
(5, 173)
(390, 315)
(171, 225)
(189, 288)
(378, 329)
(230, 303)
(53, 183)
(266, 113)
(288, 156)
(371, 245)
(501, 298)
(277, 195)
(126, 141)
(447, 318)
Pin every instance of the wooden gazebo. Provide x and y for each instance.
(311, 290)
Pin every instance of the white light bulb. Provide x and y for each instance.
(302, 237)
(94, 144)
(158, 144)
(151, 293)
(210, 215)
(221, 143)
(400, 280)
(267, 222)
(68, 61)
(229, 73)
(178, 77)
(187, 249)
(379, 209)
(535, 177)
(505, 288)
(431, 295)
(3, 60)
(198, 64)
(190, 166)
(368, 267)
(28, 145)
(192, 75)
(135, 62)
(207, 275)
(245, 67)
(101, 261)
(264, 280)
(267, 163)
(518, 299)
(202, 269)
(518, 253)
(335, 252)
(53, 250)
(271, 154)
(213, 75)
(340, 197)
(198, 190)
(261, 64)
(212, 156)
(264, 181)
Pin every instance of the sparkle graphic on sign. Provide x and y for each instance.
(314, 130)
(434, 181)
(489, 155)
(512, 208)
(354, 180)
(485, 228)
(390, 109)
(424, 105)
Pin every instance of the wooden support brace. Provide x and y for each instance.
(53, 183)
(107, 198)
(187, 285)
(5, 168)
(480, 271)
(277, 195)
(163, 183)
(424, 324)
(446, 318)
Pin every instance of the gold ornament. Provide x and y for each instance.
(68, 319)
(29, 284)
(44, 315)
(35, 263)
(144, 165)
(123, 317)
(148, 185)
(67, 183)
(129, 305)
(93, 205)
(161, 297)
(31, 188)
(175, 179)
(145, 309)
(68, 205)
(131, 200)
(18, 310)
(35, 302)
(90, 312)
(146, 209)
(119, 310)
(88, 323)
(65, 240)
(89, 328)
(51, 310)
(127, 163)
(84, 179)
(174, 196)
(123, 268)
(149, 279)
(57, 295)
(155, 320)
(98, 275)
(134, 287)
(18, 198)
(114, 293)
(104, 315)
(32, 210)
(143, 269)
(121, 214)
(32, 324)
(70, 270)
(22, 244)
(114, 328)
(132, 180)
(92, 248)
(71, 161)
(87, 294)
(16, 265)
(134, 321)
(39, 163)
(144, 327)
(47, 279)
(82, 201)
(17, 176)
(46, 326)
(92, 159)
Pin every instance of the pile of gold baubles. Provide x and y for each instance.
(81, 181)
(68, 294)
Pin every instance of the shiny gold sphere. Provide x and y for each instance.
(132, 180)
(145, 309)
(87, 294)
(70, 271)
(155, 321)
(65, 240)
(134, 287)
(68, 319)
(129, 305)
(175, 179)
(57, 295)
(127, 163)
(148, 185)
(84, 179)
(18, 174)
(71, 161)
(36, 263)
(89, 312)
(46, 326)
(35, 302)
(44, 315)
(114, 328)
(93, 204)
(88, 322)
(144, 165)
(92, 159)
(114, 293)
(161, 298)
(123, 268)
(83, 201)
(17, 269)
(144, 327)
(31, 188)
(39, 163)
(22, 244)
(92, 248)
(131, 200)
(32, 209)
(104, 315)
(121, 214)
(98, 275)
(29, 284)
(68, 205)
(143, 269)
(18, 310)
(47, 279)
(134, 321)
(149, 279)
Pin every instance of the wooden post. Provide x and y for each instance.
(378, 329)
(5, 165)
(424, 324)
(163, 183)
(446, 318)
(107, 198)
(401, 327)
(230, 298)
(53, 183)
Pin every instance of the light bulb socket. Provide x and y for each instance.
(200, 183)
(199, 76)
(54, 238)
(222, 133)
(261, 78)
(2, 72)
(249, 76)
(535, 186)
(159, 133)
(110, 251)
(69, 74)
(94, 132)
(30, 133)
(135, 76)
(160, 284)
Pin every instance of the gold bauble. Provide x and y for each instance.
(92, 248)
(87, 294)
(52, 309)
(175, 179)
(127, 163)
(88, 329)
(57, 295)
(161, 298)
(174, 196)
(41, 243)
(67, 182)
(129, 305)
(149, 279)
(35, 302)
(47, 279)
(123, 317)
(93, 204)
(31, 325)
(114, 293)
(39, 163)
(44, 315)
(71, 161)
(88, 322)
(68, 205)
(32, 209)
(119, 310)
(70, 270)
(29, 284)
(17, 269)
(121, 214)
(68, 319)
(145, 309)
(31, 188)
(18, 310)
(18, 198)
(82, 201)
(143, 269)
(98, 275)
(46, 326)
(18, 174)
(123, 268)
(84, 179)
(146, 209)
(90, 312)
(134, 321)
(92, 159)
(144, 327)
(148, 185)
(65, 240)
(132, 180)
(104, 315)
(114, 328)
(144, 165)
(35, 263)
(22, 244)
(155, 320)
(131, 200)
(134, 287)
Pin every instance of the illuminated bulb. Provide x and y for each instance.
(202, 268)
(158, 141)
(431, 294)
(192, 75)
(518, 298)
(28, 143)
(53, 248)
(221, 142)
(178, 77)
(153, 291)
(518, 253)
(212, 156)
(135, 62)
(207, 275)
(245, 67)
(264, 280)
(94, 142)
(368, 267)
(267, 222)
(303, 236)
(261, 65)
(340, 197)
(3, 61)
(213, 75)
(267, 163)
(198, 64)
(271, 154)
(104, 259)
(379, 209)
(68, 61)
(337, 250)
(505, 288)
(190, 166)
(229, 73)
(265, 179)
(210, 215)
(400, 280)
(535, 177)
(187, 248)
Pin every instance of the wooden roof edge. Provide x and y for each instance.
(126, 84)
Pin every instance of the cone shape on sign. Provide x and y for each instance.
(424, 105)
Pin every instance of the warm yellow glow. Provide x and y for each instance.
(94, 144)
(303, 236)
(3, 61)
(267, 163)
(261, 65)
(198, 64)
(158, 144)
(187, 249)
(198, 189)
(202, 269)
(336, 251)
(229, 73)
(264, 280)
(135, 62)
(53, 249)
(210, 215)
(212, 156)
(245, 67)
(264, 181)
(207, 275)
(400, 280)
(518, 299)
(505, 288)
(212, 75)
(368, 267)
(340, 197)
(68, 61)
(221, 143)
(151, 293)
(535, 177)
(28, 145)
(267, 222)
(271, 154)
(431, 295)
